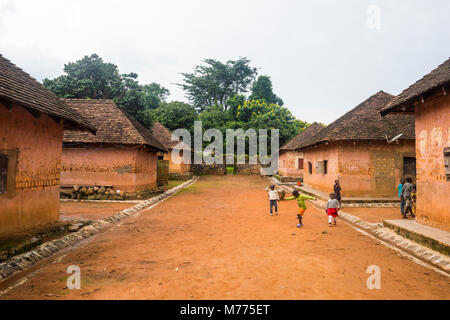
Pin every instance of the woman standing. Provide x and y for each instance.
(337, 191)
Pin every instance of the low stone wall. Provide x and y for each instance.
(248, 169)
(213, 169)
(180, 176)
(105, 193)
(221, 169)
(162, 175)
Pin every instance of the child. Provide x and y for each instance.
(301, 205)
(332, 209)
(273, 199)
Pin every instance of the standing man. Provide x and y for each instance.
(406, 194)
(402, 201)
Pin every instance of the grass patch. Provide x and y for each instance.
(230, 170)
(174, 183)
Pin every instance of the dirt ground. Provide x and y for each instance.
(74, 210)
(375, 214)
(215, 240)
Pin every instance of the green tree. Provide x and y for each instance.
(174, 115)
(214, 117)
(214, 82)
(233, 103)
(154, 95)
(91, 77)
(258, 114)
(262, 90)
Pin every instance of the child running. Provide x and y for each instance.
(301, 205)
(332, 210)
(273, 199)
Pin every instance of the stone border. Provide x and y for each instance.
(377, 230)
(24, 261)
(419, 238)
(101, 201)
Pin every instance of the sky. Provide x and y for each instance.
(324, 56)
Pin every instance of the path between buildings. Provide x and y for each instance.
(215, 240)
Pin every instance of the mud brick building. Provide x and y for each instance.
(355, 149)
(176, 164)
(123, 154)
(429, 101)
(32, 120)
(290, 161)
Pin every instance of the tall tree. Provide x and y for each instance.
(174, 115)
(214, 82)
(91, 77)
(262, 89)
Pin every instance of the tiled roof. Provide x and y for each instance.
(436, 79)
(163, 135)
(365, 123)
(114, 125)
(19, 87)
(299, 139)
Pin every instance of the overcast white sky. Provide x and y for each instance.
(322, 57)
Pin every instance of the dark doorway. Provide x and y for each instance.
(3, 173)
(300, 163)
(409, 167)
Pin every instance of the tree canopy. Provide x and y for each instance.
(91, 77)
(215, 89)
(175, 115)
(214, 82)
(262, 90)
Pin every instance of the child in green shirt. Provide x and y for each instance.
(301, 205)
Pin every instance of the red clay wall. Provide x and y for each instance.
(322, 182)
(288, 164)
(364, 168)
(35, 199)
(125, 168)
(432, 136)
(176, 167)
(146, 164)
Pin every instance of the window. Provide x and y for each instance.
(309, 167)
(447, 163)
(322, 167)
(284, 163)
(319, 167)
(3, 173)
(300, 163)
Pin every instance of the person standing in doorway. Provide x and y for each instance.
(337, 191)
(407, 191)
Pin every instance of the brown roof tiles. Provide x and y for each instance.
(436, 79)
(19, 87)
(163, 135)
(114, 126)
(299, 139)
(364, 123)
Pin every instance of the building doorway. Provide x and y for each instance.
(409, 167)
